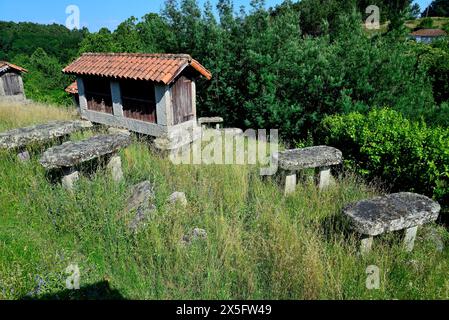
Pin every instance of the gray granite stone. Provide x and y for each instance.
(24, 156)
(69, 179)
(210, 120)
(113, 130)
(140, 203)
(22, 137)
(313, 157)
(73, 153)
(435, 238)
(178, 197)
(391, 213)
(115, 167)
(194, 235)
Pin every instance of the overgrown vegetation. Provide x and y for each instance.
(260, 244)
(383, 144)
(286, 67)
(44, 50)
(310, 70)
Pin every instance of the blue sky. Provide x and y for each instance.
(95, 14)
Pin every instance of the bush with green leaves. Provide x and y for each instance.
(408, 155)
(425, 23)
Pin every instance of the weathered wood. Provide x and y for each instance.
(11, 84)
(22, 137)
(73, 153)
(181, 93)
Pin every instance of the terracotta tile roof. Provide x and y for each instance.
(137, 66)
(429, 33)
(6, 65)
(73, 88)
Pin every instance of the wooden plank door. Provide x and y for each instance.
(11, 84)
(181, 93)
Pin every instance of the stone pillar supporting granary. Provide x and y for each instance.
(152, 94)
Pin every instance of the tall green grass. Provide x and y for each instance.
(260, 245)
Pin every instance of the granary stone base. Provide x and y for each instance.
(69, 179)
(24, 156)
(409, 240)
(366, 245)
(325, 178)
(290, 184)
(400, 211)
(115, 167)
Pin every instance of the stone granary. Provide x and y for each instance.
(11, 84)
(152, 94)
(428, 35)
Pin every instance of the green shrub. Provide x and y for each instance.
(409, 156)
(425, 23)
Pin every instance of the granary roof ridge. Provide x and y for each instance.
(144, 55)
(429, 32)
(160, 67)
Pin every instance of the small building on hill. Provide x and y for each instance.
(150, 94)
(428, 35)
(11, 84)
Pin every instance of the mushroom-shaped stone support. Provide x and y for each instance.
(203, 121)
(321, 157)
(399, 211)
(70, 154)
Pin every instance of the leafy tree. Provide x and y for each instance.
(127, 37)
(414, 11)
(44, 82)
(426, 23)
(102, 41)
(155, 34)
(26, 37)
(438, 8)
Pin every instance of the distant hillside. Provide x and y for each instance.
(26, 37)
(438, 22)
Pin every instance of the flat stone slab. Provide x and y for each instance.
(391, 213)
(22, 137)
(210, 120)
(313, 157)
(73, 153)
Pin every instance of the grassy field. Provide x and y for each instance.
(438, 22)
(260, 244)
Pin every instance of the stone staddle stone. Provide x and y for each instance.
(313, 157)
(73, 153)
(391, 213)
(22, 137)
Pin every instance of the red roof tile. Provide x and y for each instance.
(72, 89)
(137, 66)
(6, 65)
(429, 33)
